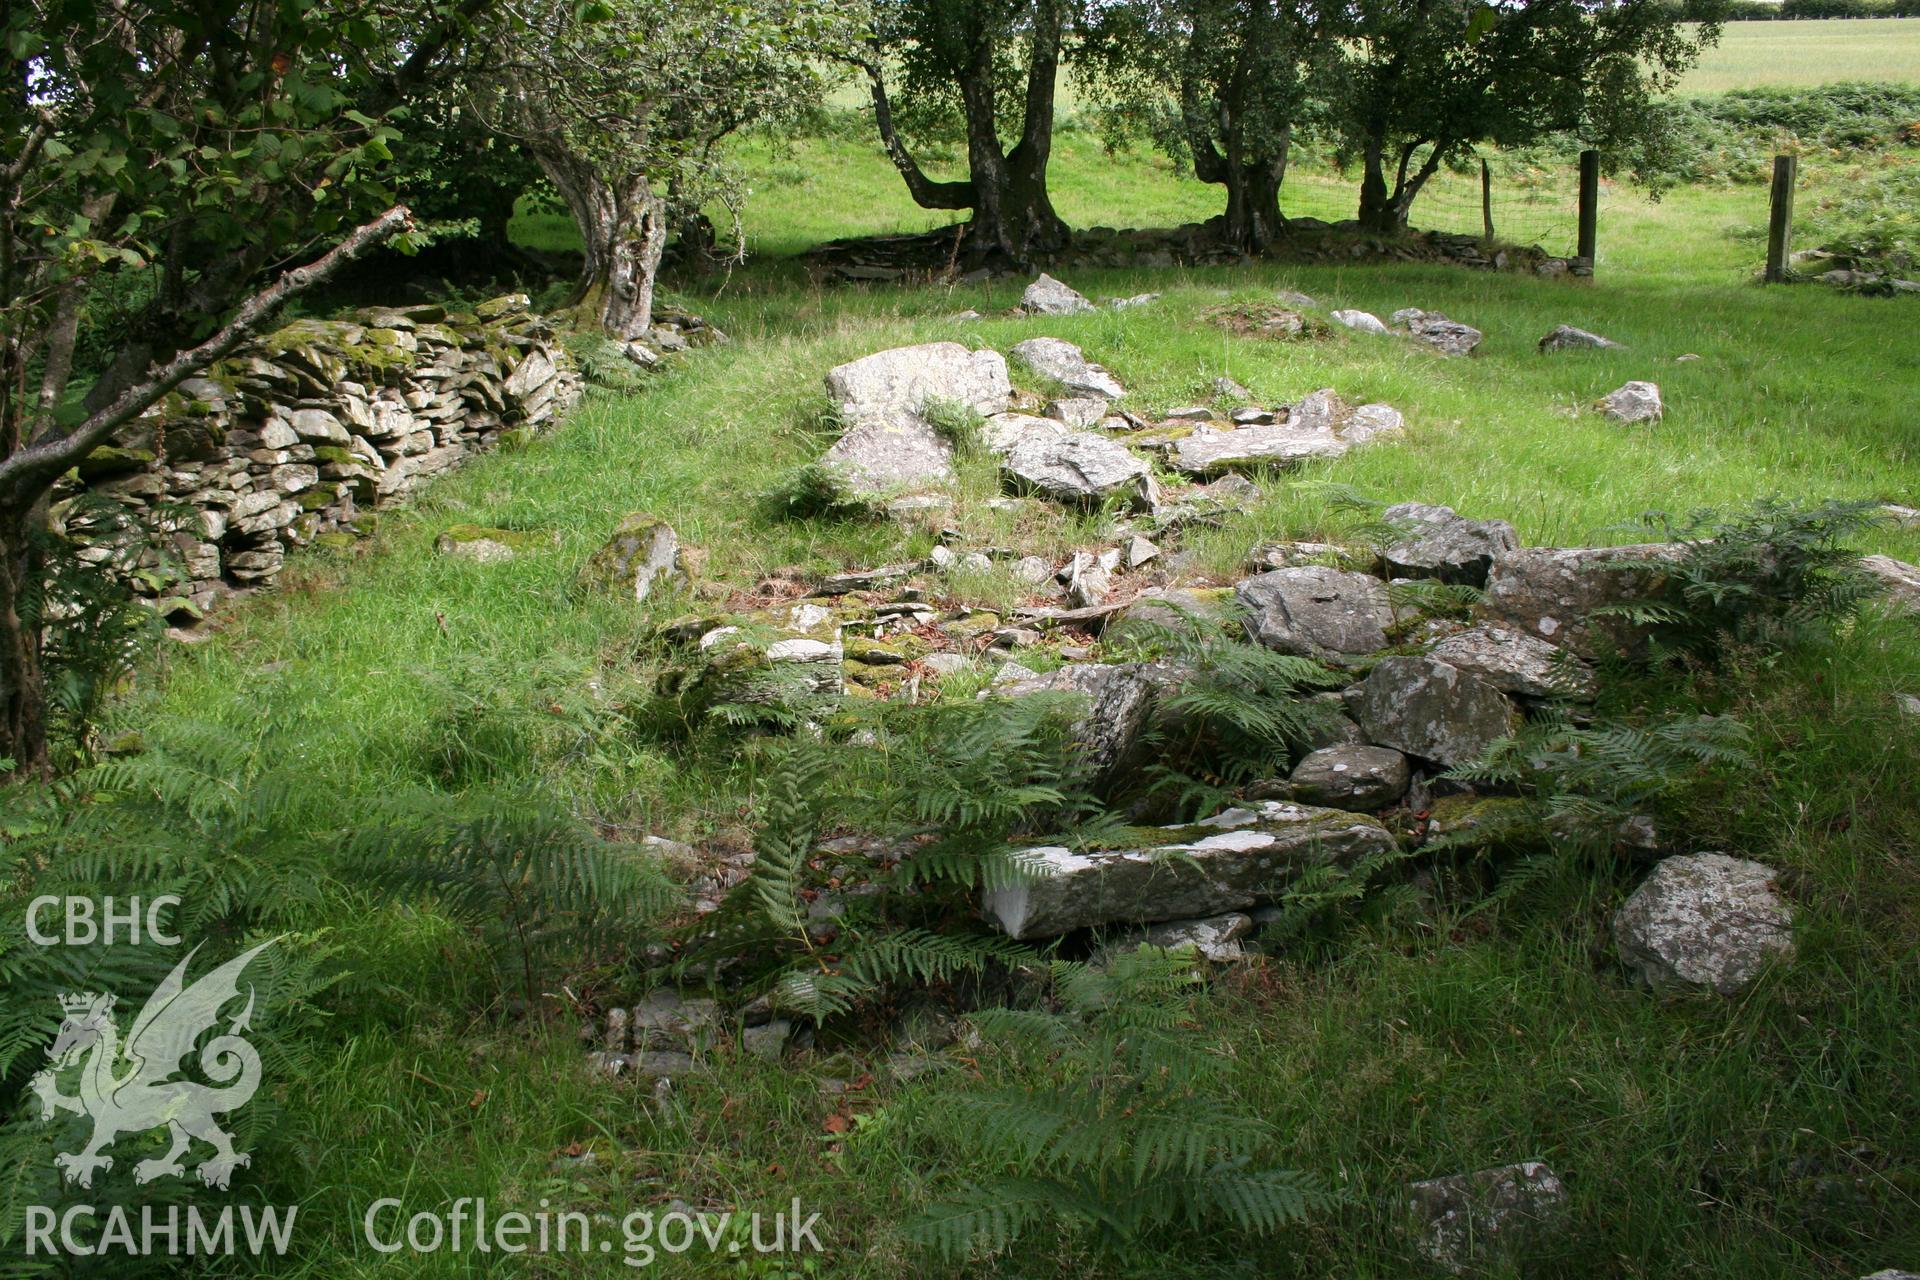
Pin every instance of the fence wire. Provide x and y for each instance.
(1531, 204)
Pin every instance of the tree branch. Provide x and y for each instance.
(48, 456)
(926, 193)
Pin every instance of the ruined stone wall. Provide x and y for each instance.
(298, 436)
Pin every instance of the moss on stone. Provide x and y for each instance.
(111, 460)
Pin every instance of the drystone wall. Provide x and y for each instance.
(297, 437)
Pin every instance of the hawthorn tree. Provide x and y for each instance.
(624, 101)
(1219, 85)
(1420, 82)
(987, 66)
(163, 164)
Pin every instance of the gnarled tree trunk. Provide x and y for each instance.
(1251, 175)
(1385, 210)
(1014, 222)
(623, 226)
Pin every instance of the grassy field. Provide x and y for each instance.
(1698, 1135)
(1754, 55)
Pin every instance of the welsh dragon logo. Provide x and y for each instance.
(125, 1088)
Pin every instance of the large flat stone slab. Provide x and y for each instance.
(1237, 859)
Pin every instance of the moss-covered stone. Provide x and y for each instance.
(111, 460)
(335, 540)
(333, 453)
(642, 555)
(509, 304)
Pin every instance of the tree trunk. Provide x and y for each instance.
(1376, 202)
(1013, 216)
(23, 703)
(624, 230)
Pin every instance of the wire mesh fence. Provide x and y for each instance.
(1527, 203)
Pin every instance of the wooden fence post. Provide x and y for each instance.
(1486, 201)
(1589, 212)
(1786, 169)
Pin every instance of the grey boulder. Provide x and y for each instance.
(1704, 920)
(1226, 863)
(1316, 612)
(1079, 467)
(1442, 543)
(905, 379)
(1430, 709)
(1364, 321)
(1899, 581)
(1067, 365)
(1515, 662)
(1447, 336)
(1468, 1220)
(882, 399)
(1564, 337)
(1359, 778)
(1215, 938)
(1632, 403)
(1117, 702)
(1004, 432)
(1049, 297)
(1553, 592)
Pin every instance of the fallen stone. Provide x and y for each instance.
(642, 554)
(1432, 710)
(1474, 1220)
(1137, 300)
(1119, 700)
(905, 379)
(1515, 662)
(1067, 365)
(1228, 389)
(1564, 337)
(1899, 581)
(1080, 467)
(1553, 592)
(1364, 321)
(1317, 612)
(1251, 416)
(1004, 432)
(1078, 412)
(1447, 336)
(880, 457)
(865, 579)
(1217, 938)
(1049, 297)
(1234, 860)
(1441, 543)
(1190, 413)
(1633, 403)
(1210, 451)
(1704, 920)
(1363, 779)
(484, 546)
(1140, 551)
(1032, 570)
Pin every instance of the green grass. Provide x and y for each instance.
(1692, 1131)
(1821, 51)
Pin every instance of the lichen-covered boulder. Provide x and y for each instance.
(905, 379)
(1432, 710)
(1004, 432)
(1316, 612)
(1487, 1218)
(1226, 863)
(1553, 592)
(1515, 662)
(1064, 363)
(642, 556)
(1442, 543)
(1211, 451)
(1363, 779)
(889, 445)
(1704, 920)
(1079, 467)
(1049, 297)
(1635, 402)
